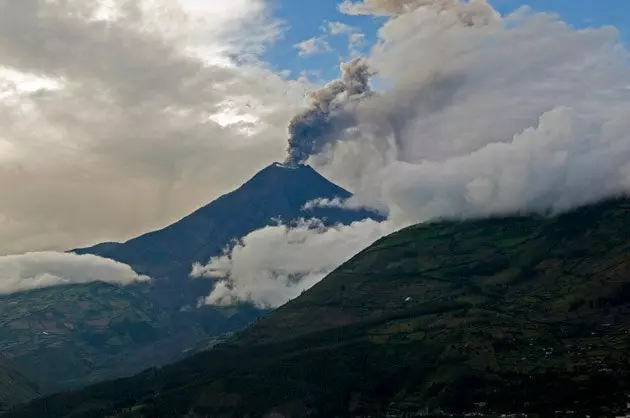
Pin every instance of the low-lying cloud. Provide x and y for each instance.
(21, 273)
(481, 115)
(275, 264)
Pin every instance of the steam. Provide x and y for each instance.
(21, 273)
(518, 114)
(310, 130)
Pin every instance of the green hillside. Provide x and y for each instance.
(518, 314)
(68, 336)
(14, 387)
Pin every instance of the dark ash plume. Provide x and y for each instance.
(308, 131)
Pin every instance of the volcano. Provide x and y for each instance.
(278, 191)
(111, 331)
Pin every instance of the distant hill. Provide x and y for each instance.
(69, 336)
(14, 387)
(516, 314)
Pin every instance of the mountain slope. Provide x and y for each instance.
(14, 387)
(71, 336)
(276, 192)
(68, 336)
(514, 314)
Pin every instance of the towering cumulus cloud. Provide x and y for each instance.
(482, 115)
(310, 130)
(20, 273)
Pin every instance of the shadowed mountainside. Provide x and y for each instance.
(65, 337)
(14, 387)
(515, 314)
(276, 192)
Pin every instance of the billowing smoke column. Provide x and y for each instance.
(308, 131)
(330, 110)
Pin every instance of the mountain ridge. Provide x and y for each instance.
(524, 314)
(275, 192)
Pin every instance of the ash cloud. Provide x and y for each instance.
(311, 130)
(520, 115)
(334, 108)
(517, 114)
(21, 273)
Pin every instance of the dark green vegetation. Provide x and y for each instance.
(66, 337)
(520, 314)
(14, 387)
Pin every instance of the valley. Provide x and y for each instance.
(519, 314)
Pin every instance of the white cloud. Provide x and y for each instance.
(275, 264)
(356, 40)
(231, 27)
(20, 273)
(312, 46)
(338, 28)
(325, 203)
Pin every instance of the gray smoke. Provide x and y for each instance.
(309, 131)
(333, 109)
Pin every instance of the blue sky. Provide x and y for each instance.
(305, 18)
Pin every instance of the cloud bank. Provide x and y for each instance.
(474, 115)
(21, 273)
